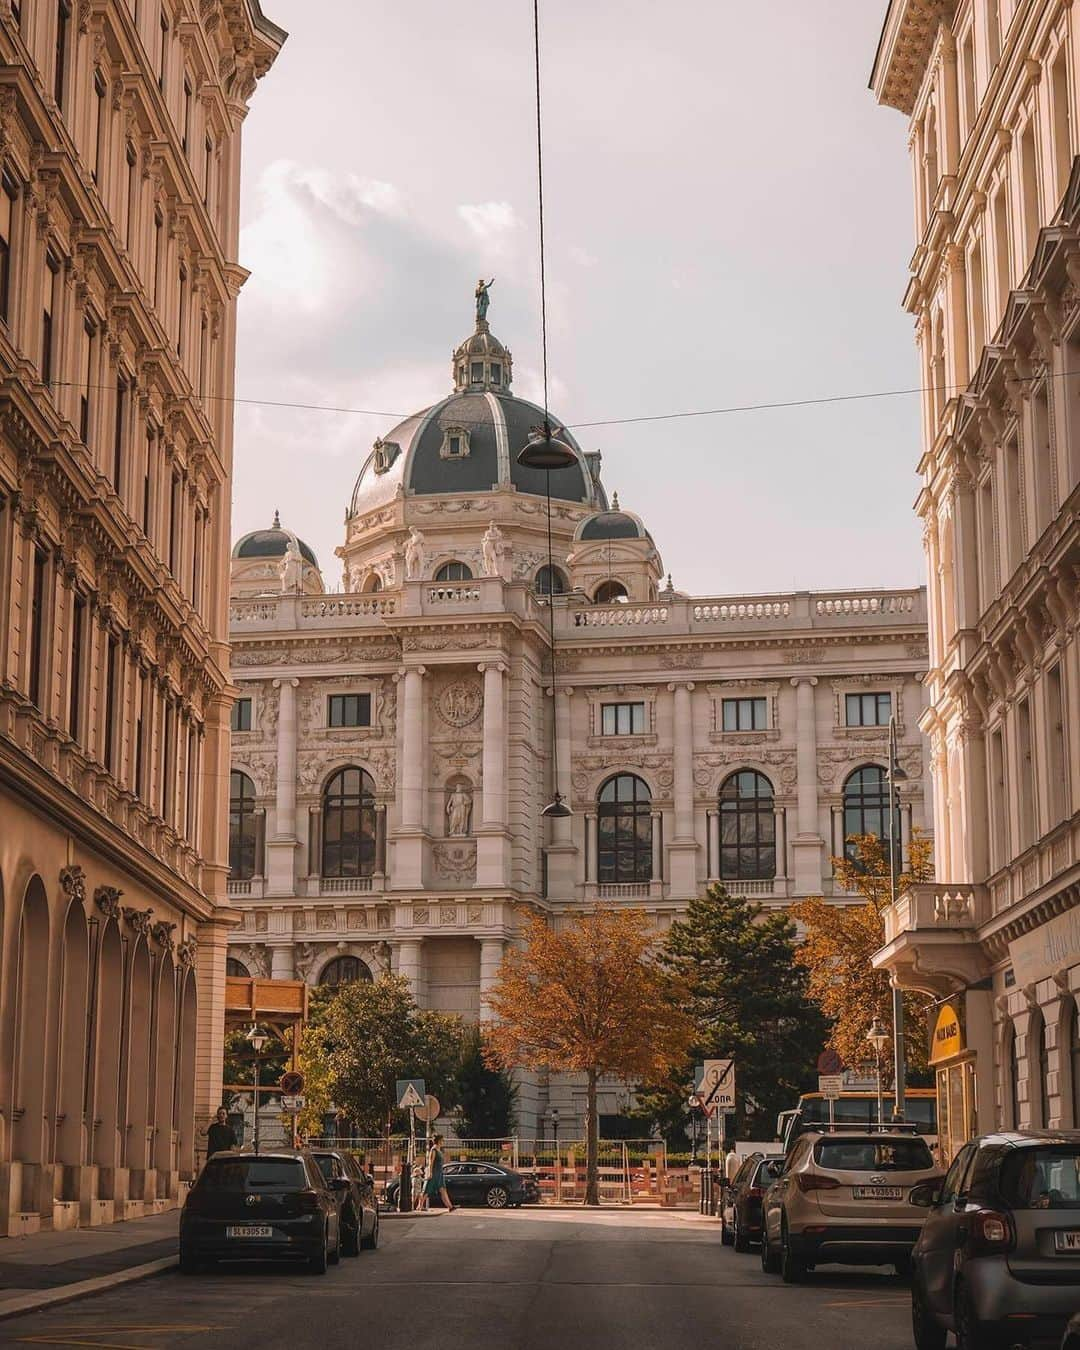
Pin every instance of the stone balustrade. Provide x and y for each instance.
(730, 611)
(620, 616)
(937, 907)
(845, 605)
(454, 594)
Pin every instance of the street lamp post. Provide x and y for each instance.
(878, 1036)
(257, 1040)
(896, 774)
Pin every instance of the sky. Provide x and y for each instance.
(728, 222)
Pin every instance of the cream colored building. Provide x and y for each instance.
(119, 173)
(991, 91)
(392, 739)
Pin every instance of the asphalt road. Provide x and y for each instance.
(528, 1280)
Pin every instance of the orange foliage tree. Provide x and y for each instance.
(588, 999)
(841, 939)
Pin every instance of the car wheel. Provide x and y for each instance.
(770, 1261)
(318, 1263)
(971, 1334)
(927, 1333)
(335, 1256)
(370, 1243)
(497, 1197)
(740, 1241)
(792, 1268)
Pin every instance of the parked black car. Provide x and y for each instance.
(258, 1206)
(740, 1205)
(998, 1259)
(358, 1212)
(481, 1183)
(1071, 1339)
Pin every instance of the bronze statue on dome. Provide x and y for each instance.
(483, 299)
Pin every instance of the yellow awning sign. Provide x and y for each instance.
(948, 1037)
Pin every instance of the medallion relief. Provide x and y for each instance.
(459, 703)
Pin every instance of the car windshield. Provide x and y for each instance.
(873, 1155)
(326, 1165)
(254, 1174)
(1042, 1178)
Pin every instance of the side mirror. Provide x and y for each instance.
(340, 1184)
(925, 1195)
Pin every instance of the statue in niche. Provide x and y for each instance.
(414, 554)
(492, 550)
(304, 956)
(458, 811)
(483, 299)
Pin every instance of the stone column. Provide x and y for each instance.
(492, 836)
(683, 849)
(590, 848)
(411, 833)
(491, 958)
(780, 836)
(281, 961)
(281, 847)
(807, 844)
(657, 823)
(410, 964)
(714, 845)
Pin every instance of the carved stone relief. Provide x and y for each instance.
(455, 861)
(459, 703)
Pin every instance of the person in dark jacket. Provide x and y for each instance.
(220, 1135)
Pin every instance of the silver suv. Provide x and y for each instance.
(845, 1196)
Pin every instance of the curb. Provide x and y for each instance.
(40, 1299)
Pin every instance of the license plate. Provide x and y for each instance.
(1068, 1241)
(250, 1230)
(877, 1192)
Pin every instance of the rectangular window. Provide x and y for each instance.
(8, 193)
(158, 229)
(163, 50)
(622, 719)
(967, 80)
(746, 714)
(52, 268)
(78, 631)
(241, 715)
(208, 165)
(1026, 770)
(112, 693)
(1029, 190)
(132, 193)
(867, 710)
(181, 311)
(16, 12)
(148, 482)
(976, 308)
(38, 605)
(140, 747)
(477, 373)
(118, 438)
(1002, 261)
(1062, 122)
(993, 33)
(185, 138)
(97, 147)
(167, 754)
(63, 20)
(999, 836)
(90, 351)
(1014, 505)
(196, 555)
(174, 522)
(348, 710)
(1057, 762)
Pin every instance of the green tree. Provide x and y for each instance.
(362, 1037)
(747, 998)
(486, 1097)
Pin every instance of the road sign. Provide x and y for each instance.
(830, 1085)
(409, 1093)
(291, 1082)
(430, 1110)
(718, 1085)
(829, 1062)
(293, 1102)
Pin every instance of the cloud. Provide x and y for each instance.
(582, 256)
(490, 220)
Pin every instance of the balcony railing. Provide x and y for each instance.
(928, 906)
(622, 890)
(344, 885)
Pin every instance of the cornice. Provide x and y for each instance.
(904, 50)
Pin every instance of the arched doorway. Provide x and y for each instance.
(71, 1068)
(139, 1069)
(344, 970)
(32, 983)
(106, 1150)
(184, 1103)
(164, 1052)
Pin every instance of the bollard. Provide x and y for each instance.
(405, 1189)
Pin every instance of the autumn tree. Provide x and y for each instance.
(747, 997)
(363, 1036)
(589, 998)
(840, 941)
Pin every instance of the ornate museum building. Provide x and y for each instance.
(991, 90)
(119, 174)
(392, 740)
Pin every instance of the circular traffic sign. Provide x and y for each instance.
(430, 1109)
(829, 1062)
(292, 1083)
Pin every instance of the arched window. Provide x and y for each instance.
(624, 830)
(1012, 1076)
(372, 583)
(610, 593)
(454, 571)
(344, 970)
(550, 581)
(1074, 1062)
(236, 969)
(866, 807)
(242, 830)
(1038, 1067)
(348, 813)
(747, 827)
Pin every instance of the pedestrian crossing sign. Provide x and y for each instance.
(410, 1093)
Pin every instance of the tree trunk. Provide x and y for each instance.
(592, 1144)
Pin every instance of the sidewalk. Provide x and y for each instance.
(51, 1268)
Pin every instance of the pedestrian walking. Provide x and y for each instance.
(435, 1185)
(220, 1135)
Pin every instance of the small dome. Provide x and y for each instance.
(612, 524)
(273, 543)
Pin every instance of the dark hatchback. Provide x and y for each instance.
(740, 1208)
(359, 1212)
(260, 1206)
(998, 1259)
(482, 1183)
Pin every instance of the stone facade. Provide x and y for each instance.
(120, 154)
(437, 650)
(991, 92)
